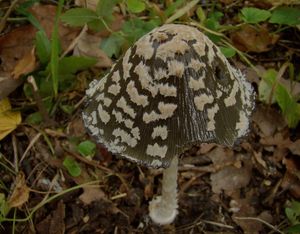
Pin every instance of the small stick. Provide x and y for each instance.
(39, 101)
(260, 220)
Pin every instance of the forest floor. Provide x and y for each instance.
(48, 185)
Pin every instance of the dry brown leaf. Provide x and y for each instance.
(292, 183)
(231, 178)
(7, 85)
(18, 44)
(294, 147)
(20, 192)
(221, 157)
(54, 222)
(89, 45)
(25, 65)
(46, 15)
(253, 39)
(14, 45)
(268, 120)
(91, 194)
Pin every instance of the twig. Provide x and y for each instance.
(39, 101)
(32, 142)
(75, 41)
(260, 220)
(118, 196)
(215, 224)
(182, 11)
(14, 143)
(7, 13)
(92, 163)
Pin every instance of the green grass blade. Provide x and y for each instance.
(55, 49)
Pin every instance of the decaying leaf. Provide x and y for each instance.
(9, 119)
(268, 120)
(54, 222)
(253, 39)
(16, 47)
(231, 178)
(20, 192)
(91, 194)
(25, 65)
(88, 45)
(295, 147)
(7, 85)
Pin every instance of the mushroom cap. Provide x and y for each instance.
(172, 89)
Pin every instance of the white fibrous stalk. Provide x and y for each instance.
(163, 209)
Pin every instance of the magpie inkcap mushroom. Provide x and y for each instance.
(172, 89)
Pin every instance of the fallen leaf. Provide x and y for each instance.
(54, 222)
(294, 147)
(17, 45)
(20, 192)
(91, 194)
(9, 119)
(221, 157)
(253, 39)
(231, 178)
(292, 166)
(45, 14)
(7, 85)
(25, 65)
(292, 183)
(268, 120)
(14, 45)
(88, 45)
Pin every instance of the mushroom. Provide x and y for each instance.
(171, 90)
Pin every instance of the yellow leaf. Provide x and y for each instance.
(9, 119)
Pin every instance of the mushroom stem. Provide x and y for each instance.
(163, 209)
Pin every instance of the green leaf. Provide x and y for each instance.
(135, 28)
(68, 109)
(293, 212)
(78, 16)
(96, 25)
(34, 118)
(173, 7)
(286, 15)
(105, 7)
(55, 49)
(23, 10)
(265, 86)
(212, 22)
(254, 15)
(43, 47)
(201, 14)
(73, 64)
(136, 6)
(228, 51)
(87, 148)
(288, 105)
(295, 229)
(4, 207)
(112, 45)
(72, 166)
